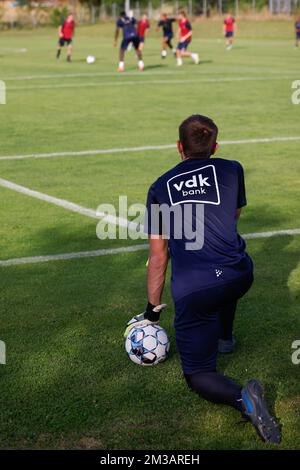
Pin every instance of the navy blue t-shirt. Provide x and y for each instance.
(128, 25)
(205, 195)
(167, 26)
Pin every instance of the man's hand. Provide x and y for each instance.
(151, 315)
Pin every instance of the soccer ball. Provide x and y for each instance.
(90, 59)
(147, 345)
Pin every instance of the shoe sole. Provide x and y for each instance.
(257, 411)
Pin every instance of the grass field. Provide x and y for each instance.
(68, 382)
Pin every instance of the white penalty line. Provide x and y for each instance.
(127, 249)
(142, 148)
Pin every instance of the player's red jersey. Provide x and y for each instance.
(142, 26)
(229, 24)
(185, 28)
(68, 29)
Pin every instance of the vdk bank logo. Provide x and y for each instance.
(198, 185)
(2, 352)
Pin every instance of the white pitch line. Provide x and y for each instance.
(146, 73)
(94, 214)
(126, 249)
(146, 82)
(277, 233)
(141, 149)
(66, 256)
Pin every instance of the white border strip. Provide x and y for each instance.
(126, 249)
(141, 149)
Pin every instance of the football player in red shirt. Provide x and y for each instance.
(66, 33)
(143, 26)
(228, 29)
(184, 35)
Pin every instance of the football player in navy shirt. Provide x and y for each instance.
(211, 269)
(166, 24)
(297, 31)
(130, 36)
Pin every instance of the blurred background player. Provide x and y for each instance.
(185, 36)
(66, 33)
(228, 29)
(143, 26)
(297, 31)
(130, 36)
(166, 24)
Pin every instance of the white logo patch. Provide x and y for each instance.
(198, 185)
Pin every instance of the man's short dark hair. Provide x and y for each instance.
(123, 14)
(198, 136)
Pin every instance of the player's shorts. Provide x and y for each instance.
(197, 323)
(298, 35)
(63, 41)
(142, 39)
(135, 41)
(229, 34)
(182, 46)
(169, 36)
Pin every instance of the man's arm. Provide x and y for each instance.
(238, 213)
(116, 36)
(157, 267)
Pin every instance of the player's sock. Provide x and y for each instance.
(163, 54)
(121, 67)
(195, 58)
(216, 388)
(68, 58)
(58, 53)
(141, 65)
(179, 61)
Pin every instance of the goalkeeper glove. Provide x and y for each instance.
(151, 315)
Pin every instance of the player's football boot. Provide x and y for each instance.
(141, 65)
(256, 410)
(226, 346)
(195, 58)
(140, 320)
(121, 66)
(163, 54)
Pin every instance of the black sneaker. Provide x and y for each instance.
(256, 410)
(226, 346)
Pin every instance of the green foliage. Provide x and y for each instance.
(58, 15)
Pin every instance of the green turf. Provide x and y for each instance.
(67, 382)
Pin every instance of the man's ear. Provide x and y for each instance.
(216, 148)
(179, 147)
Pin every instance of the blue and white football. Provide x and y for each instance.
(147, 345)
